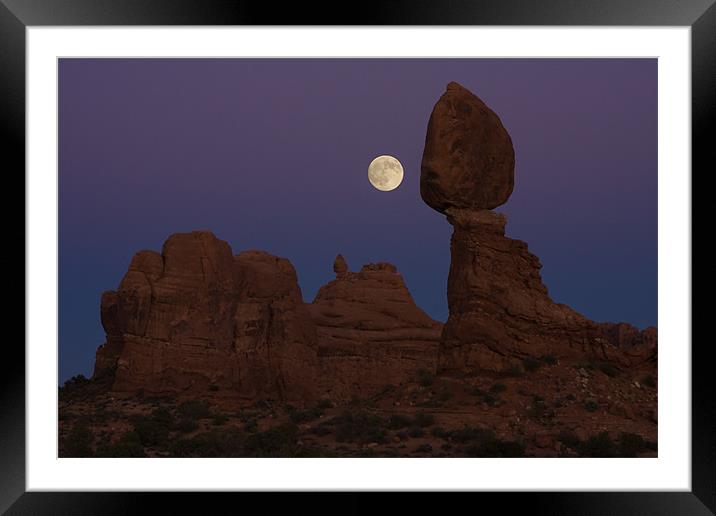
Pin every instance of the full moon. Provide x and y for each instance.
(385, 173)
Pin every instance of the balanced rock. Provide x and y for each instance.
(499, 310)
(468, 161)
(371, 333)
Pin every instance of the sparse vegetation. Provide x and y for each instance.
(444, 395)
(531, 364)
(649, 381)
(79, 441)
(310, 414)
(398, 421)
(591, 405)
(514, 371)
(153, 430)
(424, 448)
(74, 383)
(216, 443)
(194, 409)
(219, 420)
(422, 419)
(415, 431)
(498, 388)
(129, 445)
(425, 378)
(495, 448)
(279, 441)
(476, 391)
(440, 432)
(549, 359)
(601, 445)
(609, 369)
(359, 426)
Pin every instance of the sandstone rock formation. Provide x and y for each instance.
(468, 161)
(500, 311)
(197, 317)
(370, 332)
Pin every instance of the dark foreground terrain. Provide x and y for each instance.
(542, 410)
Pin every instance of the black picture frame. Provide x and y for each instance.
(17, 15)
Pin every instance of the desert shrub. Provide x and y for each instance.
(649, 381)
(186, 425)
(609, 369)
(425, 378)
(631, 445)
(216, 443)
(569, 438)
(495, 448)
(538, 409)
(415, 431)
(189, 412)
(213, 387)
(194, 409)
(320, 430)
(251, 426)
(531, 364)
(444, 395)
(153, 430)
(468, 434)
(514, 371)
(599, 445)
(398, 421)
(424, 448)
(326, 404)
(79, 441)
(387, 389)
(440, 432)
(549, 359)
(219, 419)
(498, 388)
(279, 441)
(74, 383)
(591, 405)
(310, 414)
(476, 391)
(422, 419)
(129, 445)
(491, 400)
(359, 426)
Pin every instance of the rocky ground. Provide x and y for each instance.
(546, 409)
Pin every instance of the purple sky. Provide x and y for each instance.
(273, 154)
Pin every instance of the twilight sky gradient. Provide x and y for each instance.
(273, 154)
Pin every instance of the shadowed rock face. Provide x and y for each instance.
(370, 331)
(196, 316)
(500, 311)
(468, 161)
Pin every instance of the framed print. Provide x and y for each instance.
(435, 250)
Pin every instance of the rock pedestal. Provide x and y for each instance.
(500, 311)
